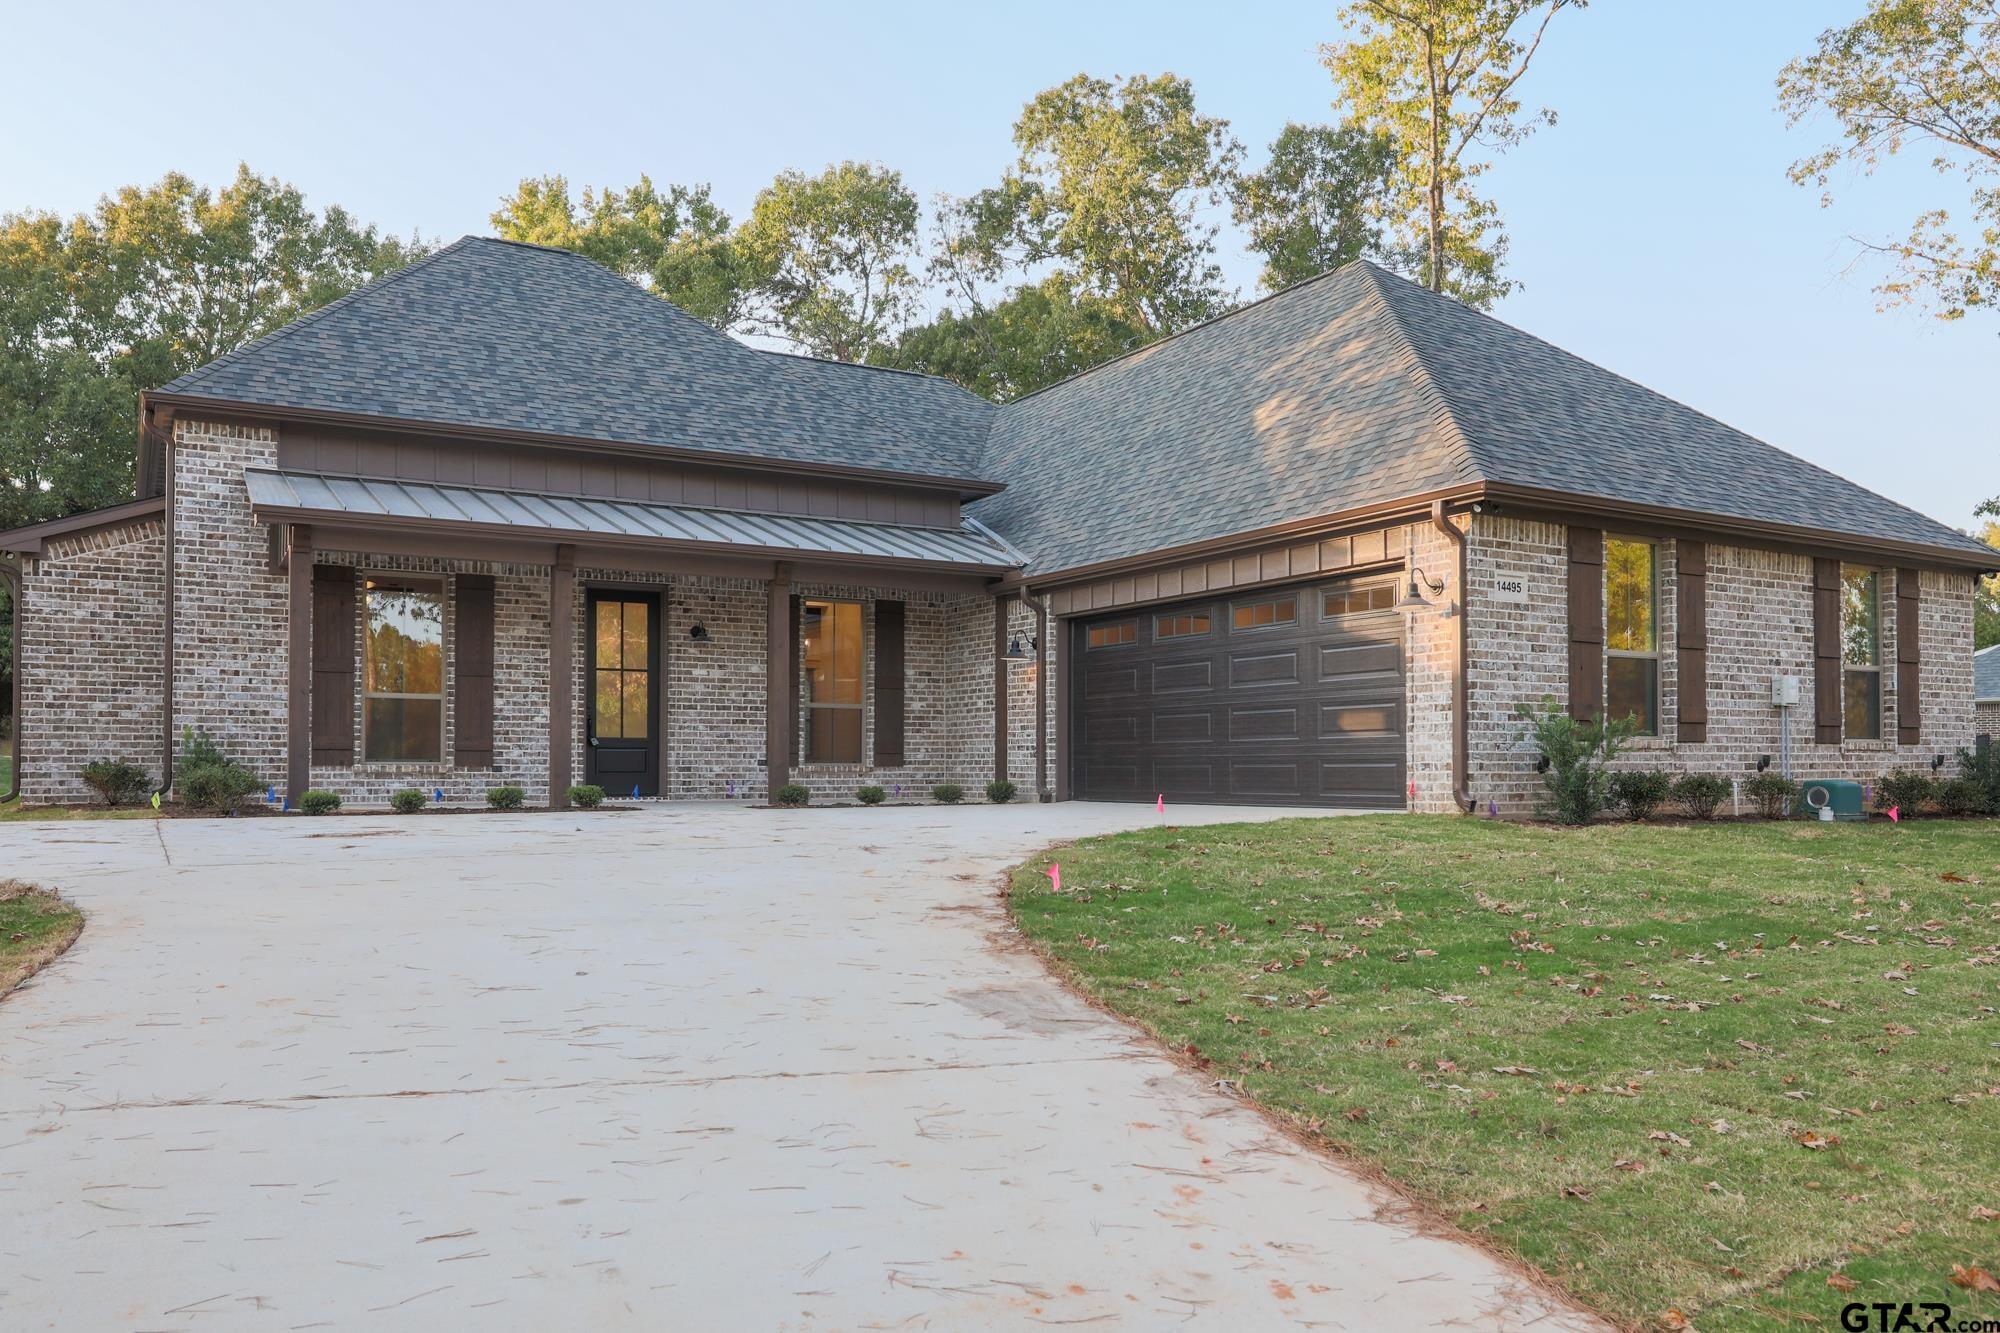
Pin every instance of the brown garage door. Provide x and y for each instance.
(1280, 697)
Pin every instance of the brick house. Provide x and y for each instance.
(1986, 691)
(503, 517)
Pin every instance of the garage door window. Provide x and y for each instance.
(1265, 614)
(1180, 627)
(1110, 636)
(1352, 601)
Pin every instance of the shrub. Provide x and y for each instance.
(1000, 791)
(199, 750)
(1961, 796)
(949, 793)
(870, 795)
(317, 802)
(118, 782)
(1774, 793)
(1701, 794)
(1982, 767)
(1910, 791)
(215, 786)
(586, 796)
(407, 801)
(1640, 794)
(794, 794)
(505, 798)
(1574, 754)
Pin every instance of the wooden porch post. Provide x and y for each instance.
(298, 734)
(562, 652)
(778, 712)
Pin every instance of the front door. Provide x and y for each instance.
(623, 755)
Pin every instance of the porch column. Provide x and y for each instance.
(562, 653)
(298, 734)
(778, 680)
(1000, 683)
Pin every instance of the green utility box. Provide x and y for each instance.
(1835, 794)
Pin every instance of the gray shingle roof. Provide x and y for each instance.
(1360, 387)
(495, 334)
(1986, 674)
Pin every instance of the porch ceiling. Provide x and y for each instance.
(304, 497)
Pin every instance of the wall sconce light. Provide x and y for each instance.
(1937, 762)
(1418, 591)
(1016, 653)
(698, 632)
(1763, 762)
(1542, 764)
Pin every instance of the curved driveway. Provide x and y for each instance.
(694, 1067)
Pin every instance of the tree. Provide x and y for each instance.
(1319, 202)
(1986, 596)
(678, 244)
(1108, 193)
(835, 254)
(1039, 334)
(1914, 73)
(156, 281)
(1437, 78)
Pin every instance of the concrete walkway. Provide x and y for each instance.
(693, 1067)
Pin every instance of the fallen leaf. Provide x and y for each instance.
(1518, 1070)
(1815, 1140)
(1974, 1279)
(1981, 1213)
(1668, 1136)
(1842, 1282)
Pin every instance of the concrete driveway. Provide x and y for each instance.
(686, 1067)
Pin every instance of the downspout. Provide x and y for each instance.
(1040, 608)
(167, 678)
(1460, 720)
(12, 573)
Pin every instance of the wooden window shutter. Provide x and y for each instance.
(472, 673)
(1909, 645)
(333, 601)
(1826, 651)
(1691, 640)
(889, 686)
(798, 700)
(1586, 622)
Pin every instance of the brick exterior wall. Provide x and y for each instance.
(1759, 625)
(92, 672)
(1430, 665)
(1986, 720)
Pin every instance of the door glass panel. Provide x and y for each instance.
(636, 652)
(608, 636)
(621, 702)
(637, 725)
(610, 710)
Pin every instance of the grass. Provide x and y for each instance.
(1701, 1073)
(35, 926)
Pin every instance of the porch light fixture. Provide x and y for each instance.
(698, 632)
(1419, 590)
(1937, 762)
(1016, 653)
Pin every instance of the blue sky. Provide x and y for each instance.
(1654, 230)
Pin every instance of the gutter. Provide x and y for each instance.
(11, 572)
(1460, 713)
(1034, 602)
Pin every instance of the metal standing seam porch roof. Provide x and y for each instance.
(308, 495)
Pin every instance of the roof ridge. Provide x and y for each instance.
(1427, 383)
(311, 317)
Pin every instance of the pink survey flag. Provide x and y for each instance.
(1055, 876)
(1160, 803)
(1895, 814)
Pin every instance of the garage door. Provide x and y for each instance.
(1279, 697)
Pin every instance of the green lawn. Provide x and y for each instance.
(1698, 1069)
(35, 926)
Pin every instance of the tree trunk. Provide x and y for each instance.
(1435, 193)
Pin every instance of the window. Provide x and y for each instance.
(1861, 653)
(1180, 627)
(1632, 633)
(402, 681)
(830, 681)
(1349, 601)
(621, 700)
(1262, 615)
(1110, 636)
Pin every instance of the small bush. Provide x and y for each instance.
(317, 802)
(215, 786)
(1774, 793)
(1983, 768)
(1701, 794)
(1575, 753)
(1640, 794)
(199, 750)
(407, 801)
(505, 798)
(870, 795)
(1906, 791)
(1000, 791)
(793, 795)
(948, 793)
(586, 796)
(1961, 796)
(118, 782)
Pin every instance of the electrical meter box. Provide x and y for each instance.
(1784, 691)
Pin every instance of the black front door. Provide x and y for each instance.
(623, 755)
